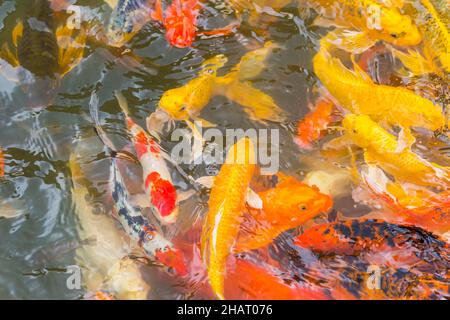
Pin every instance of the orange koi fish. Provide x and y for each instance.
(226, 207)
(311, 127)
(421, 208)
(247, 280)
(290, 204)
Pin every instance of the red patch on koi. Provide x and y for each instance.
(144, 144)
(162, 193)
(310, 128)
(172, 258)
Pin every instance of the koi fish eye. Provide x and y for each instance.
(394, 35)
(302, 207)
(355, 131)
(183, 108)
(149, 236)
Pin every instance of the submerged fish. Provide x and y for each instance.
(370, 20)
(127, 19)
(432, 18)
(107, 249)
(412, 263)
(186, 102)
(226, 207)
(380, 148)
(356, 92)
(158, 184)
(290, 204)
(42, 45)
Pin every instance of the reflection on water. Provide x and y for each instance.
(45, 118)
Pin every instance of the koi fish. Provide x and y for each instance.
(226, 204)
(370, 20)
(290, 204)
(380, 149)
(127, 19)
(158, 184)
(355, 91)
(422, 208)
(42, 45)
(249, 279)
(186, 102)
(133, 221)
(107, 248)
(414, 263)
(433, 22)
(137, 226)
(311, 127)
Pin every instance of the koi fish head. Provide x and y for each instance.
(398, 29)
(163, 197)
(174, 102)
(180, 23)
(359, 129)
(293, 202)
(173, 259)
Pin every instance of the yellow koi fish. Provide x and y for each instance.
(356, 92)
(433, 20)
(380, 149)
(370, 21)
(226, 209)
(186, 102)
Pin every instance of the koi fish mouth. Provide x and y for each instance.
(174, 259)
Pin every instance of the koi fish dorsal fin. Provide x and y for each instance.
(210, 66)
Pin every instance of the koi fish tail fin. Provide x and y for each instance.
(71, 49)
(259, 105)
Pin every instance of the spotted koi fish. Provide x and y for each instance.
(140, 229)
(157, 179)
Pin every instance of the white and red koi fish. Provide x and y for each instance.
(140, 229)
(158, 184)
(133, 221)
